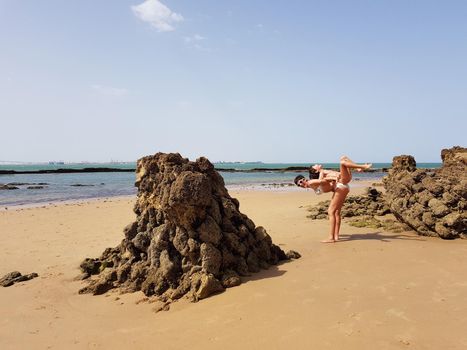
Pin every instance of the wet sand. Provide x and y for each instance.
(372, 290)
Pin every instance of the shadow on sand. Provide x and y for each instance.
(380, 236)
(273, 271)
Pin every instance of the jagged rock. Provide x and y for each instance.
(403, 162)
(455, 156)
(14, 277)
(208, 284)
(432, 202)
(189, 238)
(230, 279)
(90, 266)
(292, 254)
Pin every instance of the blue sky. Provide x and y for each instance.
(276, 81)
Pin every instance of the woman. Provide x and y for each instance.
(337, 182)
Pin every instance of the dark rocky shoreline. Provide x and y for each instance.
(119, 170)
(67, 171)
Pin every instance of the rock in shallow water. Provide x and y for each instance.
(8, 187)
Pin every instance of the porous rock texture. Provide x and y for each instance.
(432, 202)
(189, 237)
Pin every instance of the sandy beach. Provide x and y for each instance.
(164, 162)
(372, 290)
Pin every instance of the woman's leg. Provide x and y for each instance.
(345, 165)
(337, 204)
(332, 224)
(334, 211)
(337, 226)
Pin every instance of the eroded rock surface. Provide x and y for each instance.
(432, 202)
(189, 237)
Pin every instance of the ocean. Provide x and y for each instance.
(51, 188)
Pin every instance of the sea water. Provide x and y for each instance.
(76, 186)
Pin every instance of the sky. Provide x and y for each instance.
(244, 80)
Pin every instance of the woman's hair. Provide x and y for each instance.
(298, 178)
(314, 174)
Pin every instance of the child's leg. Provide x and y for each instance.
(346, 164)
(346, 175)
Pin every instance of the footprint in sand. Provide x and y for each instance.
(355, 316)
(398, 313)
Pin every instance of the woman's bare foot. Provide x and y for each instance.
(330, 240)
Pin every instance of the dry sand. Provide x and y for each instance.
(373, 290)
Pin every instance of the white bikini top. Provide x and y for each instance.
(319, 190)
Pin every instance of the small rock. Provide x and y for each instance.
(90, 266)
(8, 187)
(163, 306)
(292, 254)
(82, 276)
(13, 277)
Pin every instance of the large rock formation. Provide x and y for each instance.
(432, 202)
(189, 237)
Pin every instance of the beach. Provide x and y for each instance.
(372, 290)
(174, 175)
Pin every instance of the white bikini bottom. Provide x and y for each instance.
(341, 185)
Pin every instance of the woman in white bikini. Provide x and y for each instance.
(323, 181)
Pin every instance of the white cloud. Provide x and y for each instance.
(109, 91)
(193, 38)
(157, 14)
(195, 41)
